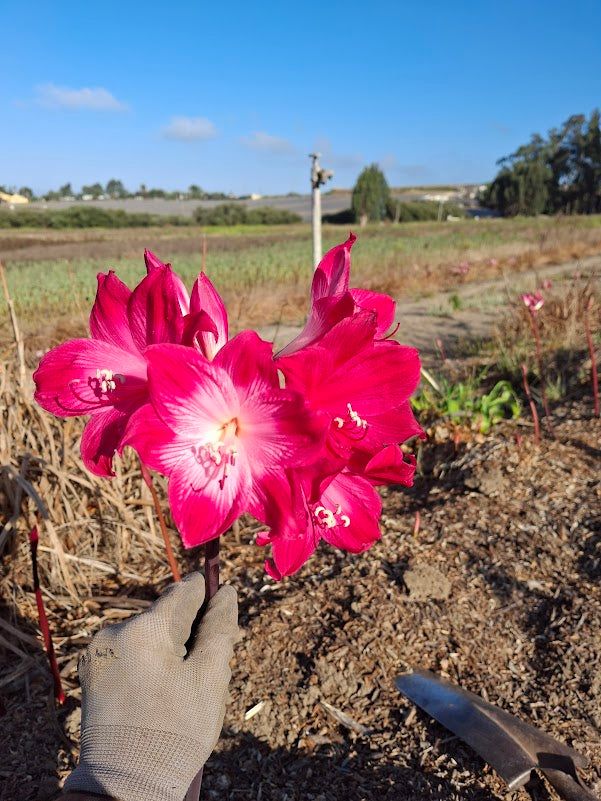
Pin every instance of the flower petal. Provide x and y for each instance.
(388, 466)
(108, 319)
(202, 505)
(393, 426)
(360, 505)
(248, 360)
(190, 394)
(331, 276)
(153, 263)
(157, 445)
(277, 502)
(290, 552)
(205, 298)
(100, 440)
(278, 429)
(383, 305)
(193, 327)
(156, 307)
(69, 380)
(325, 313)
(350, 336)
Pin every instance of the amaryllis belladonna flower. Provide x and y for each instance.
(222, 431)
(105, 376)
(332, 301)
(342, 509)
(533, 302)
(362, 386)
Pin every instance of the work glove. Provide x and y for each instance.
(152, 712)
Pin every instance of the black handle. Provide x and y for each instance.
(567, 786)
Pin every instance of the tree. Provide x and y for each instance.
(26, 192)
(195, 192)
(115, 188)
(560, 174)
(371, 195)
(95, 190)
(65, 190)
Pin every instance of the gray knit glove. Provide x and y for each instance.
(152, 714)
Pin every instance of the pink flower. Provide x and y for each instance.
(462, 269)
(361, 386)
(342, 509)
(546, 284)
(532, 302)
(332, 301)
(223, 432)
(105, 376)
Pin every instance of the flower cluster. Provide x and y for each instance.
(299, 440)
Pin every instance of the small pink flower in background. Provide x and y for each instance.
(462, 269)
(222, 431)
(533, 302)
(493, 262)
(547, 284)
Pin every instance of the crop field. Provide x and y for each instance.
(263, 273)
(488, 568)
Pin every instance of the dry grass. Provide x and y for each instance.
(89, 527)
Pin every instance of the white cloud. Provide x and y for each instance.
(189, 129)
(51, 96)
(266, 143)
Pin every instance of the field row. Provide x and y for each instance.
(265, 277)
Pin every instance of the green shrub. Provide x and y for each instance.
(85, 217)
(236, 214)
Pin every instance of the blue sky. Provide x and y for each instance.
(233, 96)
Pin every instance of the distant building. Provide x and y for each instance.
(255, 196)
(13, 200)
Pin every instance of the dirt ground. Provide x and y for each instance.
(498, 590)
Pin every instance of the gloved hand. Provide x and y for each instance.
(152, 714)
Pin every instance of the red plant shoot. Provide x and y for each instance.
(589, 339)
(48, 645)
(532, 406)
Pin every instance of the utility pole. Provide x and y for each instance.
(318, 177)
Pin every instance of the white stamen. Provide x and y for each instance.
(107, 383)
(329, 519)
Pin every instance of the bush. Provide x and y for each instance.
(401, 211)
(236, 214)
(420, 210)
(344, 217)
(84, 217)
